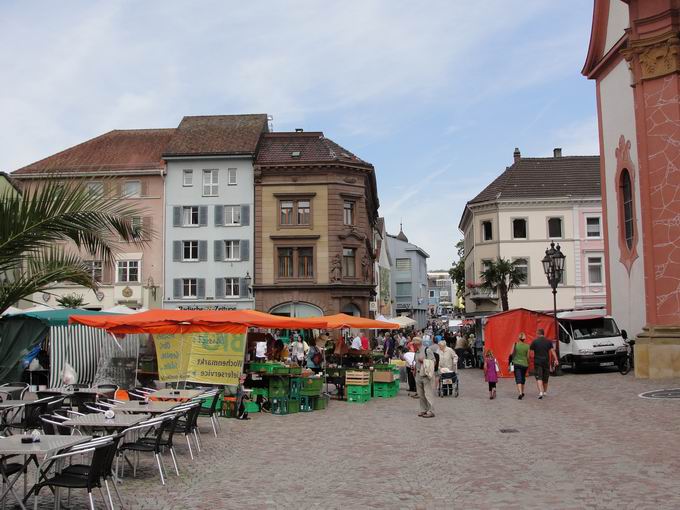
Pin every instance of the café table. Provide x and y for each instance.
(66, 391)
(97, 421)
(171, 394)
(153, 407)
(47, 446)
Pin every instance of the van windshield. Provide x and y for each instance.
(594, 328)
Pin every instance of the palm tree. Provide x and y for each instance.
(37, 227)
(72, 301)
(501, 276)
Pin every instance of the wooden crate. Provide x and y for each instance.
(386, 376)
(357, 378)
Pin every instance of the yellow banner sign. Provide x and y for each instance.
(211, 358)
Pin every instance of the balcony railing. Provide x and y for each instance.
(480, 293)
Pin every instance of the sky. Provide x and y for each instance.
(436, 95)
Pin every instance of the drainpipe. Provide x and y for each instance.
(163, 235)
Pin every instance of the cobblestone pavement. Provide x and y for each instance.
(591, 443)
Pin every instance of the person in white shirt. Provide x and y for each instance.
(410, 358)
(297, 350)
(356, 342)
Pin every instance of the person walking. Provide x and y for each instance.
(478, 347)
(519, 359)
(491, 373)
(461, 345)
(297, 350)
(424, 380)
(389, 346)
(410, 358)
(542, 351)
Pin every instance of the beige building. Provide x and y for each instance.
(128, 164)
(537, 201)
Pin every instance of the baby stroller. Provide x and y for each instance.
(448, 384)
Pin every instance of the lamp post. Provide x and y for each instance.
(553, 266)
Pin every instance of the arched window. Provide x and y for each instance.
(627, 218)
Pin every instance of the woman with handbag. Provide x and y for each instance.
(519, 363)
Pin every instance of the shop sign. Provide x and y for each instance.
(210, 358)
(207, 307)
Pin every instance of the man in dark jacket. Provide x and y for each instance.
(542, 351)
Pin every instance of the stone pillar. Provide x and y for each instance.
(653, 53)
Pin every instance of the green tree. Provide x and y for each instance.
(40, 227)
(501, 276)
(457, 272)
(72, 301)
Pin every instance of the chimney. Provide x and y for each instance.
(516, 155)
(557, 152)
(299, 130)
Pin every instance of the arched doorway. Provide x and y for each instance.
(296, 309)
(351, 309)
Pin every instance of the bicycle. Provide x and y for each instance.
(628, 363)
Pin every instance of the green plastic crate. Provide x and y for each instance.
(311, 387)
(295, 387)
(260, 392)
(279, 406)
(358, 399)
(252, 407)
(278, 387)
(268, 367)
(358, 391)
(321, 403)
(295, 370)
(307, 404)
(293, 406)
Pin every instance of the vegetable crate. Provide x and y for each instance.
(385, 390)
(295, 387)
(358, 393)
(321, 403)
(383, 376)
(307, 404)
(278, 387)
(295, 370)
(260, 392)
(311, 386)
(279, 406)
(252, 407)
(357, 378)
(293, 406)
(269, 368)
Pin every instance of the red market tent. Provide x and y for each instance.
(502, 329)
(193, 321)
(341, 320)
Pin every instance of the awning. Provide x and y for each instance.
(195, 321)
(341, 320)
(403, 321)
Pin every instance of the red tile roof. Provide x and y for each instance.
(118, 150)
(575, 176)
(217, 135)
(303, 147)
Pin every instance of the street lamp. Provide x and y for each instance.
(553, 266)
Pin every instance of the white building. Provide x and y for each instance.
(382, 273)
(534, 202)
(209, 196)
(441, 291)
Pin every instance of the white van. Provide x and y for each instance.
(589, 337)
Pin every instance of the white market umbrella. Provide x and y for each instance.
(12, 310)
(403, 321)
(124, 310)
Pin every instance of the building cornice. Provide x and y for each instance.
(94, 173)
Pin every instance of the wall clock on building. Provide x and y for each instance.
(127, 292)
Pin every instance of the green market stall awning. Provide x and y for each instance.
(81, 346)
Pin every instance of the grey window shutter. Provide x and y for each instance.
(200, 288)
(177, 288)
(245, 215)
(176, 216)
(176, 251)
(203, 216)
(219, 215)
(219, 288)
(242, 287)
(202, 250)
(219, 250)
(245, 249)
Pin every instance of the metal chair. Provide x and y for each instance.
(211, 412)
(158, 426)
(30, 418)
(17, 395)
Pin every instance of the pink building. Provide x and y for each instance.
(127, 163)
(634, 57)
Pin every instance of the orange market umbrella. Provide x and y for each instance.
(341, 320)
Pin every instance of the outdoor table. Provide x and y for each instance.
(48, 445)
(170, 394)
(99, 421)
(153, 407)
(83, 391)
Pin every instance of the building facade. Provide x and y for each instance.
(633, 58)
(126, 164)
(209, 211)
(409, 278)
(441, 293)
(533, 203)
(382, 273)
(315, 211)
